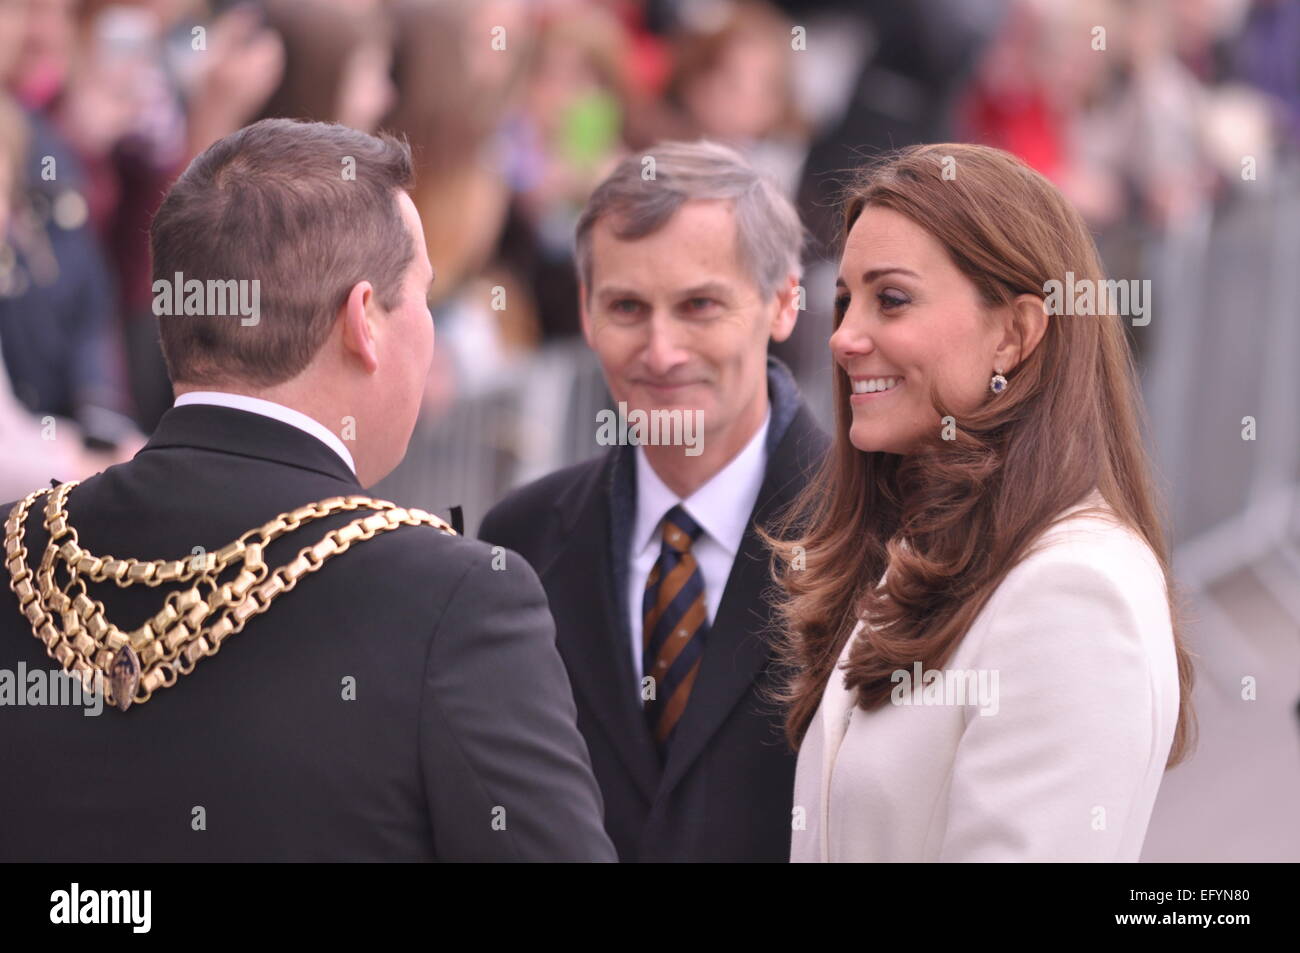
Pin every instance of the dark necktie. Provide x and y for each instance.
(675, 623)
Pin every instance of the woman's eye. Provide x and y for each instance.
(842, 305)
(889, 300)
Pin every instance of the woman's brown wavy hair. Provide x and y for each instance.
(952, 519)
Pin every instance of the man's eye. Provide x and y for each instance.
(625, 306)
(890, 300)
(696, 305)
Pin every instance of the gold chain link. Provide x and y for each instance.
(78, 635)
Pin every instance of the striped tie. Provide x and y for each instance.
(675, 624)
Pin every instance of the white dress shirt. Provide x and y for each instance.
(721, 506)
(269, 408)
(1061, 761)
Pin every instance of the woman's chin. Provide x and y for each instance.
(872, 441)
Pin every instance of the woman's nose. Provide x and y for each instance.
(849, 340)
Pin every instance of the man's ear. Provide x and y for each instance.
(789, 300)
(1024, 324)
(358, 335)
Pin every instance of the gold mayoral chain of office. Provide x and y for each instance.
(190, 625)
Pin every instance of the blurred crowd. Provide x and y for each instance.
(1145, 114)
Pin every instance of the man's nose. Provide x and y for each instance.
(663, 346)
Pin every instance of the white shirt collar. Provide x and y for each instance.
(722, 506)
(269, 408)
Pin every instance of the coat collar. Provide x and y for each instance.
(833, 715)
(240, 432)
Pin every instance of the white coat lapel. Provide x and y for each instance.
(836, 708)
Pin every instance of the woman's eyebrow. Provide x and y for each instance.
(874, 273)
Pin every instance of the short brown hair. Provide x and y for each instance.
(307, 210)
(769, 237)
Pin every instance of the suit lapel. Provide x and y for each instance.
(738, 645)
(592, 638)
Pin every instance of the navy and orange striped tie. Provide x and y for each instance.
(675, 623)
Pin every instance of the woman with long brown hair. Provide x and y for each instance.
(985, 661)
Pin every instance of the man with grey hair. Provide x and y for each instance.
(689, 264)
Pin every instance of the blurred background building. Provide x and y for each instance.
(1173, 125)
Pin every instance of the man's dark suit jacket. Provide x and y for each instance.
(725, 790)
(460, 743)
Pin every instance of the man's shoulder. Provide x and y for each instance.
(804, 436)
(538, 497)
(801, 449)
(413, 553)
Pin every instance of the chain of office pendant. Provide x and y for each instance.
(192, 623)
